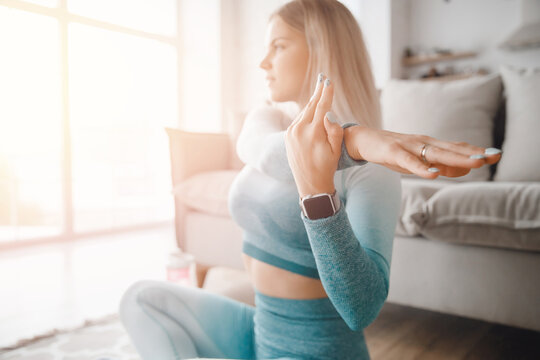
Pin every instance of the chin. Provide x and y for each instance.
(278, 97)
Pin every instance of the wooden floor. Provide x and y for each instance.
(402, 332)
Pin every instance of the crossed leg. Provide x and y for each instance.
(167, 321)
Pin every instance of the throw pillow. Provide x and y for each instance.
(414, 193)
(460, 110)
(521, 146)
(498, 214)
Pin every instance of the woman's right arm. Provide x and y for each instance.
(402, 152)
(261, 144)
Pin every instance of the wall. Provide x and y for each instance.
(247, 87)
(470, 25)
(243, 47)
(201, 58)
(374, 17)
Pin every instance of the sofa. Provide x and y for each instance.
(465, 246)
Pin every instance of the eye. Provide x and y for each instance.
(281, 47)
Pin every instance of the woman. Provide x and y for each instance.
(318, 219)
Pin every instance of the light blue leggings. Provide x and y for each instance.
(167, 321)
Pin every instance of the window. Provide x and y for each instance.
(86, 90)
(122, 92)
(30, 126)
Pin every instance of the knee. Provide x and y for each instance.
(157, 294)
(129, 299)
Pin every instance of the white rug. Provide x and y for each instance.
(104, 339)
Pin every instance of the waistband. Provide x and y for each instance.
(304, 329)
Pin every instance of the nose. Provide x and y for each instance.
(265, 63)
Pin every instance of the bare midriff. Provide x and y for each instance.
(273, 281)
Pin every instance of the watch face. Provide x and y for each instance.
(319, 207)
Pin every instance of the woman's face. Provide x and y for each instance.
(286, 60)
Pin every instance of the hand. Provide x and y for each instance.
(402, 152)
(313, 143)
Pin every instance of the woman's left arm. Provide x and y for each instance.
(353, 248)
(353, 259)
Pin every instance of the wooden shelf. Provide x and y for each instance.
(449, 77)
(427, 59)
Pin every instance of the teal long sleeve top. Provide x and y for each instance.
(350, 252)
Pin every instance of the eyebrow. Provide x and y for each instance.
(279, 38)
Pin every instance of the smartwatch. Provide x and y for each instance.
(319, 206)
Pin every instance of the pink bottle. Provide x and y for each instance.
(181, 268)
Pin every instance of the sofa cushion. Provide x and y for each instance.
(414, 193)
(503, 214)
(520, 160)
(460, 110)
(207, 192)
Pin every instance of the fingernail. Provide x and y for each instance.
(331, 117)
(492, 151)
(327, 82)
(433, 170)
(320, 77)
(477, 156)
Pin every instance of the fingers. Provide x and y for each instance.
(408, 161)
(437, 155)
(459, 162)
(325, 102)
(319, 104)
(334, 132)
(489, 155)
(452, 171)
(444, 163)
(309, 110)
(458, 147)
(492, 155)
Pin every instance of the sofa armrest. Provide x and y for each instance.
(192, 153)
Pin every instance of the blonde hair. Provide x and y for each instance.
(336, 48)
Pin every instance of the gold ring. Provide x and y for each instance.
(423, 153)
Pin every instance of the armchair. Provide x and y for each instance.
(203, 165)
